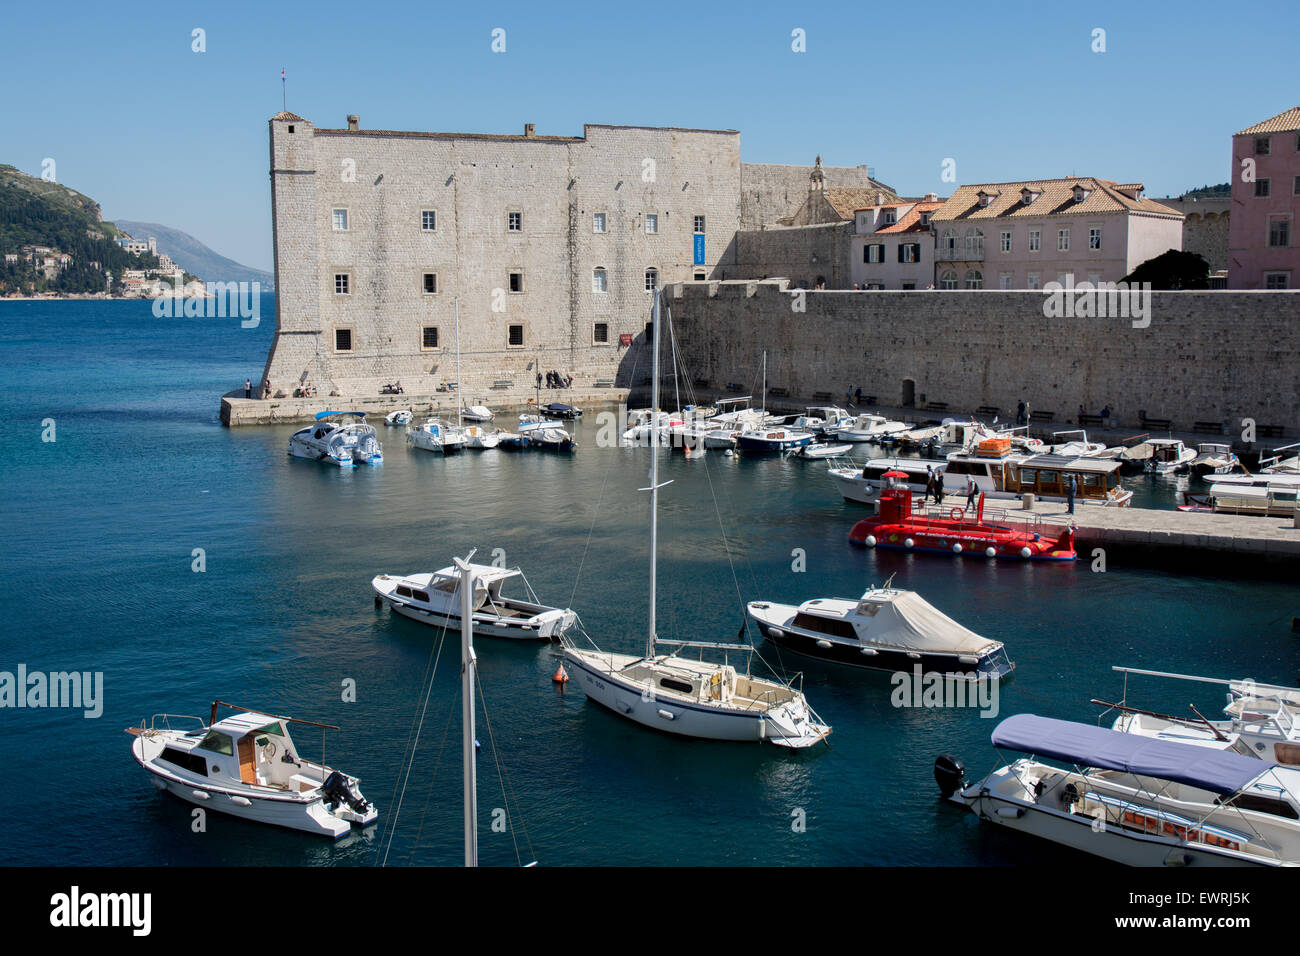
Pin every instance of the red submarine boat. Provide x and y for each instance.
(895, 525)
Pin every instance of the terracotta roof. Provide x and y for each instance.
(846, 201)
(1281, 123)
(911, 222)
(1056, 198)
(286, 115)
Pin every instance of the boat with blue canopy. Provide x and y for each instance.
(1133, 799)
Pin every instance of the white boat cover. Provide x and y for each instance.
(1219, 771)
(906, 619)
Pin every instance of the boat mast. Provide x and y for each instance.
(763, 396)
(654, 468)
(460, 401)
(468, 667)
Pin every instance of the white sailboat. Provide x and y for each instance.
(436, 434)
(691, 698)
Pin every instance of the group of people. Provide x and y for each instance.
(1022, 413)
(1104, 414)
(248, 389)
(555, 380)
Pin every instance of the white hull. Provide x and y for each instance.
(485, 625)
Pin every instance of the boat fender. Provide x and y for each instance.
(158, 783)
(991, 551)
(202, 794)
(825, 645)
(871, 541)
(379, 603)
(1025, 552)
(949, 774)
(666, 714)
(241, 801)
(908, 543)
(1014, 813)
(956, 548)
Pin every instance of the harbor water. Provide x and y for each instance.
(186, 562)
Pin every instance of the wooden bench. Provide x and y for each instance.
(936, 406)
(701, 383)
(822, 396)
(1093, 420)
(604, 383)
(987, 410)
(1158, 424)
(868, 400)
(1269, 431)
(503, 383)
(777, 392)
(1036, 416)
(733, 387)
(1208, 428)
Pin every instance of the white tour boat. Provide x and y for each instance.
(1214, 458)
(821, 419)
(868, 428)
(343, 443)
(886, 629)
(248, 766)
(434, 599)
(437, 435)
(400, 417)
(1132, 799)
(1074, 444)
(1168, 456)
(691, 698)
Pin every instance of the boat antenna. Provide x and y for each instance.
(460, 401)
(468, 669)
(889, 580)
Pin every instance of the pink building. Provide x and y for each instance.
(893, 245)
(1262, 249)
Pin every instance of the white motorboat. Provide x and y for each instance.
(1168, 456)
(477, 413)
(248, 766)
(1134, 800)
(821, 419)
(768, 439)
(691, 697)
(476, 436)
(868, 428)
(657, 424)
(343, 443)
(1262, 720)
(433, 598)
(437, 435)
(1265, 495)
(886, 629)
(1214, 458)
(817, 451)
(400, 417)
(1063, 443)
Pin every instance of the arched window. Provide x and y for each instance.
(974, 243)
(599, 280)
(651, 279)
(948, 280)
(948, 245)
(974, 279)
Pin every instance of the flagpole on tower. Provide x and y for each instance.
(284, 95)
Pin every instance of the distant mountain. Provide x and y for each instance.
(194, 256)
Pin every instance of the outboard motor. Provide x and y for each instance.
(338, 790)
(949, 774)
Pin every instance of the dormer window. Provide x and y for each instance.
(1080, 194)
(985, 198)
(1027, 196)
(925, 219)
(890, 217)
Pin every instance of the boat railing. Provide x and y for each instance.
(162, 722)
(1001, 517)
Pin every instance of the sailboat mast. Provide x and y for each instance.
(467, 668)
(460, 401)
(654, 468)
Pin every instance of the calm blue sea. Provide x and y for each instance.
(96, 554)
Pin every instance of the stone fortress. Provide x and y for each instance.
(549, 244)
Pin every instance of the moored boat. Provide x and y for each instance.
(247, 765)
(340, 442)
(400, 417)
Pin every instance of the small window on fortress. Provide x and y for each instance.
(699, 224)
(341, 285)
(340, 220)
(290, 127)
(601, 334)
(343, 340)
(599, 280)
(701, 277)
(516, 335)
(598, 222)
(430, 283)
(651, 224)
(516, 282)
(429, 340)
(428, 220)
(515, 221)
(651, 279)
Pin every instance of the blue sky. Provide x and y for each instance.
(156, 132)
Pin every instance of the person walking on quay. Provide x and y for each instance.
(929, 485)
(971, 491)
(938, 486)
(1071, 489)
(1027, 414)
(858, 395)
(1020, 412)
(248, 388)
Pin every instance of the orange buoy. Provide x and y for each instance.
(560, 675)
